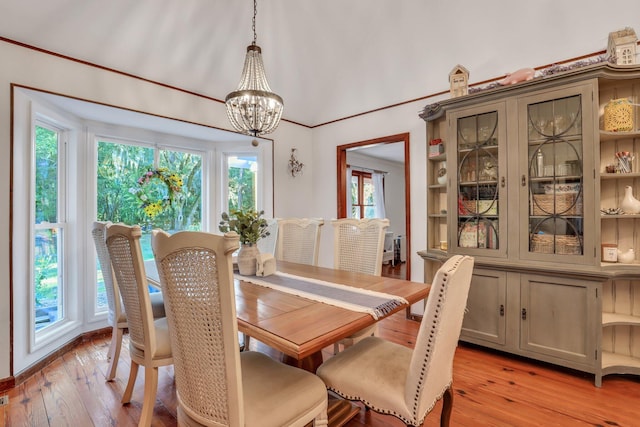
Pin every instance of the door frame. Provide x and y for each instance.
(341, 156)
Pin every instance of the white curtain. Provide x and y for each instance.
(378, 194)
(348, 192)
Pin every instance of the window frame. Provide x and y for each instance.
(80, 184)
(362, 176)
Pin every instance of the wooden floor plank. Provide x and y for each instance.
(61, 397)
(491, 389)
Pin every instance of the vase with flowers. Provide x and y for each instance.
(251, 227)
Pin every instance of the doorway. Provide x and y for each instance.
(392, 148)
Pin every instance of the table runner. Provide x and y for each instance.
(377, 304)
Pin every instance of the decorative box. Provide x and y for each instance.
(436, 147)
(618, 115)
(609, 252)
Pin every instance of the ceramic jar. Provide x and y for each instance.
(442, 173)
(247, 257)
(630, 205)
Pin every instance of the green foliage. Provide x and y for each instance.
(241, 189)
(46, 181)
(120, 166)
(248, 224)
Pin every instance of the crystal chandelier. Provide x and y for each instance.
(253, 109)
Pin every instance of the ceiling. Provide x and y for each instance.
(328, 59)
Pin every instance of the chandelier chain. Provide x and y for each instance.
(253, 26)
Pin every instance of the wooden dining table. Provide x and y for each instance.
(300, 328)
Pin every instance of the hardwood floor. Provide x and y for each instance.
(491, 389)
(398, 271)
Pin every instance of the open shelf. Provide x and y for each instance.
(612, 136)
(619, 363)
(613, 319)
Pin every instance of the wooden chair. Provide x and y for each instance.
(393, 379)
(299, 240)
(215, 384)
(149, 343)
(117, 316)
(358, 246)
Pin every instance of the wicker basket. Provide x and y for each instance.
(560, 204)
(618, 115)
(564, 244)
(484, 207)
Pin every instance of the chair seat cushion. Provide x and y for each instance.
(157, 304)
(157, 307)
(163, 343)
(357, 374)
(276, 394)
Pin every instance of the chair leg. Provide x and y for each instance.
(245, 342)
(321, 420)
(447, 405)
(150, 389)
(114, 352)
(133, 373)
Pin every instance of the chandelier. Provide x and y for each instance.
(253, 109)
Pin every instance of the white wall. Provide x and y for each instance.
(49, 73)
(375, 125)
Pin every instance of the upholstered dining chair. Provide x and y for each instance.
(149, 343)
(393, 379)
(299, 240)
(215, 384)
(358, 245)
(116, 314)
(267, 245)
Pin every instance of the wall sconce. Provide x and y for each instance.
(295, 165)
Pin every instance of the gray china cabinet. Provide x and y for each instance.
(530, 182)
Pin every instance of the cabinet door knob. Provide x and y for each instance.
(524, 180)
(503, 182)
(501, 309)
(524, 314)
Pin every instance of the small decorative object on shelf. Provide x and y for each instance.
(625, 161)
(459, 81)
(621, 48)
(442, 173)
(540, 163)
(618, 115)
(611, 211)
(630, 205)
(436, 147)
(626, 257)
(522, 75)
(609, 252)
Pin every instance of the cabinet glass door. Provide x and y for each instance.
(555, 176)
(479, 140)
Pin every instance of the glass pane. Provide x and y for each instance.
(555, 165)
(46, 171)
(369, 212)
(242, 182)
(368, 191)
(187, 203)
(355, 212)
(354, 190)
(133, 190)
(101, 291)
(478, 207)
(48, 278)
